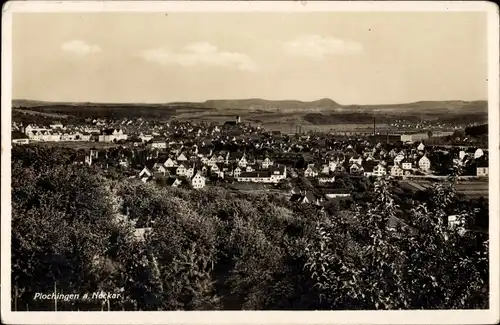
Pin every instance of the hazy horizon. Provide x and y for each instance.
(255, 98)
(353, 58)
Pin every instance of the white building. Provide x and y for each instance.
(396, 171)
(398, 158)
(482, 169)
(310, 171)
(112, 135)
(243, 162)
(479, 153)
(170, 163)
(198, 181)
(158, 144)
(181, 170)
(379, 170)
(181, 157)
(266, 163)
(424, 163)
(406, 165)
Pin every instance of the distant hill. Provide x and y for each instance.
(322, 111)
(272, 105)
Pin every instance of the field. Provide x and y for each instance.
(80, 144)
(473, 188)
(291, 128)
(49, 115)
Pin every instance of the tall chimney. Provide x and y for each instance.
(374, 133)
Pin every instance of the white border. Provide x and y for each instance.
(490, 316)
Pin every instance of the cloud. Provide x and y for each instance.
(315, 46)
(202, 53)
(80, 47)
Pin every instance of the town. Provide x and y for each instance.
(249, 160)
(245, 157)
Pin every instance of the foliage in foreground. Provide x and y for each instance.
(72, 229)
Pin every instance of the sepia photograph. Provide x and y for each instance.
(237, 158)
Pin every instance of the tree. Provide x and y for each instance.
(414, 266)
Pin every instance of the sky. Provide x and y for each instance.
(350, 57)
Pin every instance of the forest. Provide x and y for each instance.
(213, 249)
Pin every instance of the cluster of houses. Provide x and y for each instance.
(140, 132)
(392, 163)
(197, 166)
(187, 150)
(59, 133)
(194, 165)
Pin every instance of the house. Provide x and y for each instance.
(140, 234)
(333, 193)
(266, 163)
(159, 144)
(482, 168)
(237, 171)
(189, 172)
(356, 169)
(182, 157)
(310, 171)
(455, 222)
(251, 168)
(478, 153)
(221, 158)
(242, 162)
(56, 126)
(112, 135)
(325, 169)
(277, 173)
(273, 175)
(356, 160)
(421, 147)
(145, 172)
(198, 181)
(174, 181)
(146, 137)
(424, 163)
(212, 161)
(19, 138)
(332, 165)
(396, 171)
(181, 170)
(170, 163)
(214, 168)
(256, 177)
(123, 162)
(83, 159)
(159, 168)
(379, 170)
(326, 179)
(405, 164)
(305, 198)
(462, 154)
(399, 158)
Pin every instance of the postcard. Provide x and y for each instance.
(241, 162)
